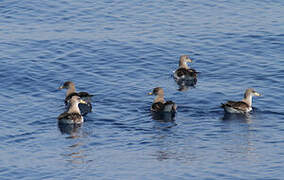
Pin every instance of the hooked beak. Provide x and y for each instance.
(82, 101)
(150, 93)
(257, 94)
(61, 87)
(189, 60)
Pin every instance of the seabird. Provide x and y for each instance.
(71, 91)
(243, 106)
(159, 104)
(184, 73)
(73, 115)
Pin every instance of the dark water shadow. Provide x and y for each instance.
(74, 153)
(238, 132)
(184, 85)
(70, 129)
(235, 117)
(163, 121)
(163, 117)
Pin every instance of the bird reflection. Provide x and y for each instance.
(184, 85)
(246, 118)
(163, 155)
(70, 129)
(163, 116)
(74, 153)
(238, 128)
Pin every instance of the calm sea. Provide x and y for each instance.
(119, 51)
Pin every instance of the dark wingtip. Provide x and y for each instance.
(85, 94)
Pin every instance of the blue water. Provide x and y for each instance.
(121, 50)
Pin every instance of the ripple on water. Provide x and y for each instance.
(119, 51)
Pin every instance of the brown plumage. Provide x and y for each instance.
(73, 115)
(243, 106)
(238, 105)
(71, 91)
(184, 72)
(159, 104)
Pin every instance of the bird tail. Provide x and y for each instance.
(170, 106)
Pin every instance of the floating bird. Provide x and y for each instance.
(71, 91)
(184, 73)
(159, 104)
(243, 106)
(73, 115)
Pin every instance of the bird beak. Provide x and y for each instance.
(82, 101)
(61, 87)
(150, 93)
(257, 94)
(189, 60)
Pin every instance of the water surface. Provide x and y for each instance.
(119, 51)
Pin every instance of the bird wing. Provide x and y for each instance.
(239, 105)
(181, 72)
(158, 106)
(80, 94)
(70, 96)
(84, 94)
(71, 116)
(171, 105)
(86, 97)
(64, 115)
(186, 72)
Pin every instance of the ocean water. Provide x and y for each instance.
(119, 51)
